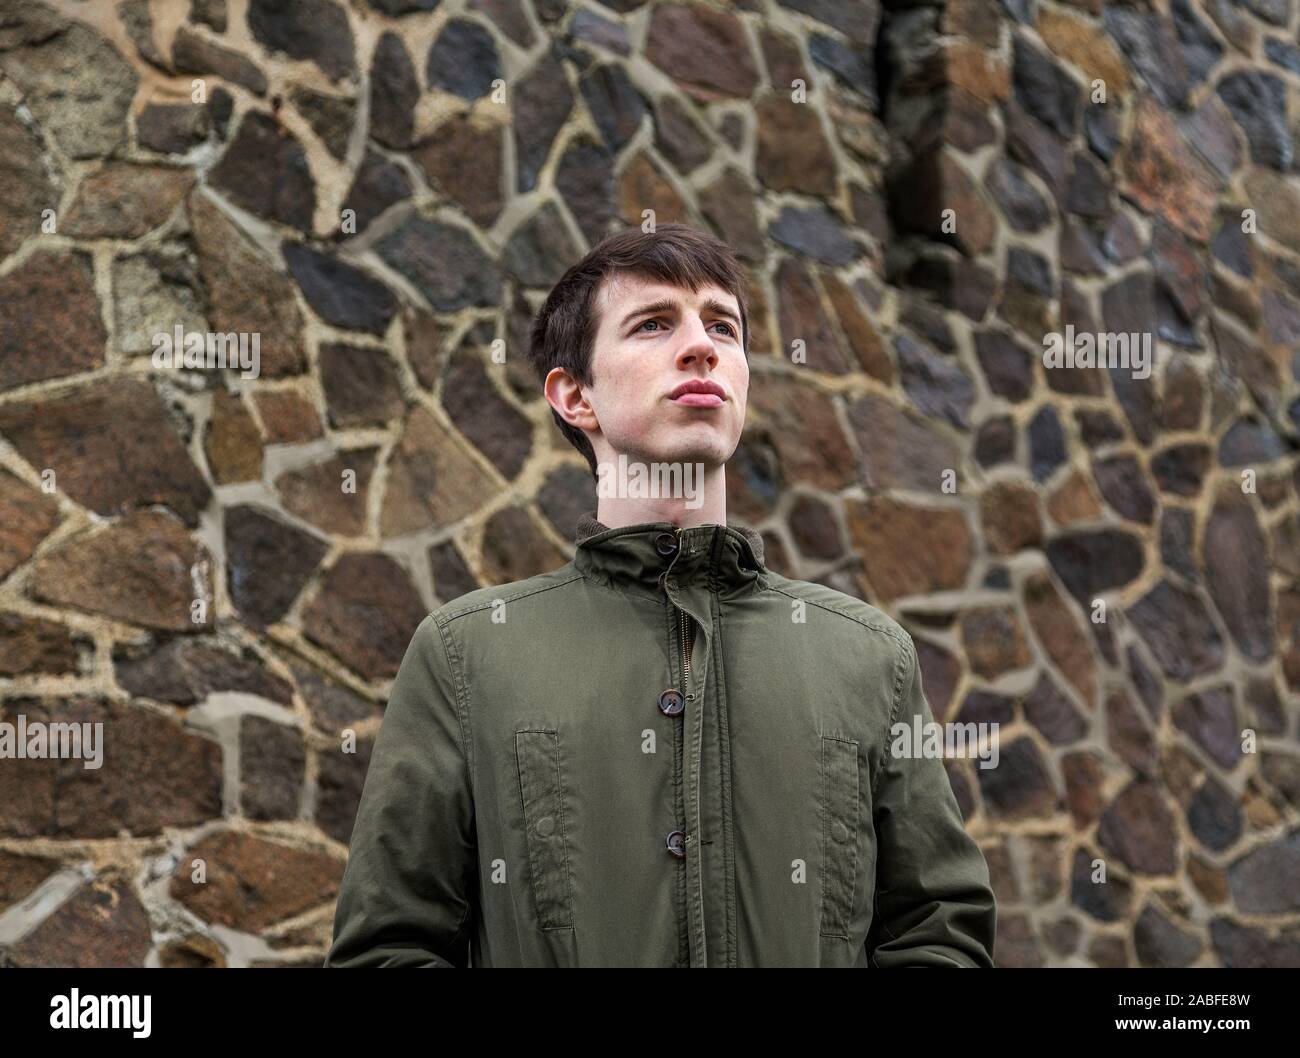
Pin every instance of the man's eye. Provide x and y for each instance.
(730, 329)
(643, 324)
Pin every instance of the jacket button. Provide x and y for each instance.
(677, 844)
(545, 826)
(839, 831)
(666, 544)
(671, 702)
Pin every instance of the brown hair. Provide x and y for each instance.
(564, 332)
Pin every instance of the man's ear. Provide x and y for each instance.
(564, 394)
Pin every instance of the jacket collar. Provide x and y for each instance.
(723, 558)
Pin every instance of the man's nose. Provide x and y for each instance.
(697, 344)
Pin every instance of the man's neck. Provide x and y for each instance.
(704, 503)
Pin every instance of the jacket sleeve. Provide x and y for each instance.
(934, 905)
(410, 883)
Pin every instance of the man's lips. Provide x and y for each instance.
(698, 400)
(698, 393)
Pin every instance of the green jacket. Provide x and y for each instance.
(563, 779)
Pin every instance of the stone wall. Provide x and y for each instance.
(225, 571)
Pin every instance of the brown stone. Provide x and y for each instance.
(246, 295)
(803, 319)
(185, 671)
(156, 774)
(478, 189)
(1210, 718)
(972, 68)
(193, 952)
(1129, 736)
(802, 426)
(125, 201)
(327, 495)
(792, 153)
(1085, 45)
(643, 186)
(232, 444)
(365, 613)
(194, 53)
(703, 49)
(272, 764)
(339, 784)
(27, 516)
(479, 410)
(361, 385)
(267, 563)
(333, 706)
(899, 448)
(35, 645)
(433, 479)
(1084, 781)
(993, 641)
(1163, 176)
(1059, 631)
(514, 548)
(1020, 787)
(1009, 512)
(28, 190)
(863, 338)
(103, 924)
(728, 204)
(933, 183)
(1235, 557)
(910, 550)
(20, 874)
(51, 324)
(143, 568)
(287, 416)
(1139, 830)
(249, 883)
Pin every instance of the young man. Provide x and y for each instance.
(663, 753)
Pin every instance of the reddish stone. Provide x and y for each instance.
(910, 550)
(155, 774)
(1162, 175)
(1059, 631)
(51, 324)
(705, 50)
(27, 516)
(232, 444)
(125, 201)
(316, 493)
(246, 295)
(143, 568)
(249, 883)
(287, 416)
(103, 924)
(365, 612)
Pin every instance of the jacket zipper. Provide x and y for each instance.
(683, 637)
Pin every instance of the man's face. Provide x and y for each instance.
(671, 375)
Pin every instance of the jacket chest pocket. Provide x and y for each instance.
(840, 807)
(541, 792)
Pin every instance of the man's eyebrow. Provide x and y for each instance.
(713, 305)
(720, 308)
(662, 305)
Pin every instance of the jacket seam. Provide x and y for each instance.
(882, 629)
(906, 654)
(451, 615)
(462, 702)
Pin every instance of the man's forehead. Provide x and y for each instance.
(622, 290)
